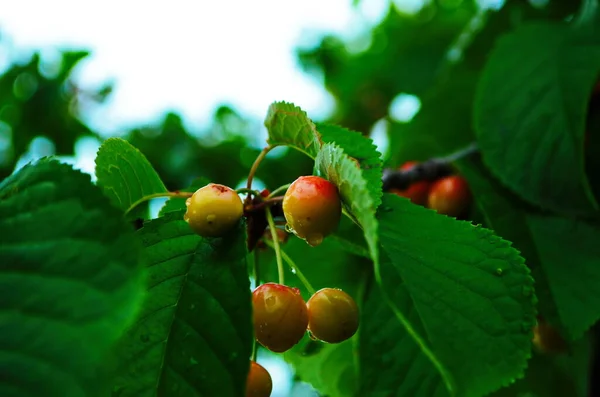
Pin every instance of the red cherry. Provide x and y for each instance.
(312, 208)
(417, 192)
(280, 316)
(450, 196)
(259, 382)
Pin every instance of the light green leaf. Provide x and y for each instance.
(329, 368)
(70, 278)
(178, 203)
(336, 166)
(289, 125)
(471, 290)
(125, 175)
(531, 110)
(194, 334)
(362, 149)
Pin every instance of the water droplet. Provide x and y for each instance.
(186, 217)
(144, 338)
(385, 208)
(499, 272)
(288, 228)
(314, 239)
(211, 218)
(311, 336)
(188, 202)
(270, 301)
(293, 270)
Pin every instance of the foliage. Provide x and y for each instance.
(93, 307)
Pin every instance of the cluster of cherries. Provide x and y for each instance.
(312, 209)
(449, 195)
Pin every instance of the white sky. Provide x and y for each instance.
(188, 55)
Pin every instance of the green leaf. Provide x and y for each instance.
(362, 149)
(506, 214)
(289, 125)
(339, 168)
(194, 334)
(471, 290)
(70, 280)
(559, 251)
(530, 113)
(391, 363)
(329, 368)
(554, 376)
(125, 175)
(569, 252)
(178, 203)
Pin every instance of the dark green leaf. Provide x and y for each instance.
(559, 251)
(339, 168)
(391, 362)
(125, 174)
(568, 250)
(194, 334)
(360, 148)
(554, 376)
(289, 125)
(506, 214)
(471, 289)
(70, 281)
(530, 113)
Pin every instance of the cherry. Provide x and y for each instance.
(312, 208)
(417, 192)
(450, 196)
(259, 382)
(213, 210)
(332, 315)
(546, 338)
(280, 316)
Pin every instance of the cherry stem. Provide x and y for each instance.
(243, 190)
(256, 271)
(257, 162)
(158, 195)
(279, 190)
(293, 265)
(266, 203)
(276, 246)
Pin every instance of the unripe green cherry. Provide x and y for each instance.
(312, 208)
(280, 316)
(332, 315)
(213, 210)
(259, 382)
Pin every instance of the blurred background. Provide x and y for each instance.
(189, 82)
